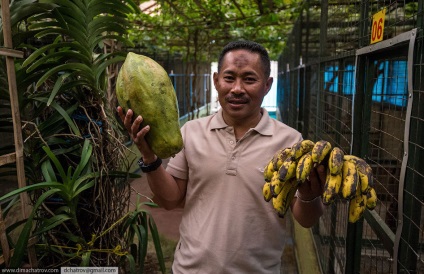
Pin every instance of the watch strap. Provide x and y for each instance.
(149, 167)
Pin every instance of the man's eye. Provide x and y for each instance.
(250, 79)
(228, 78)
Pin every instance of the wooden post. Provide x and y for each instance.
(10, 54)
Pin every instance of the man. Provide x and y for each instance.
(226, 226)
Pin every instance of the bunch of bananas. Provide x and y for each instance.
(348, 177)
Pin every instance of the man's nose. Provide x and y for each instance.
(238, 86)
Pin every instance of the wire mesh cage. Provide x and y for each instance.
(356, 80)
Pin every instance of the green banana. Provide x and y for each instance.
(364, 171)
(266, 191)
(304, 167)
(335, 161)
(282, 202)
(371, 199)
(331, 187)
(320, 150)
(350, 180)
(287, 169)
(300, 148)
(357, 206)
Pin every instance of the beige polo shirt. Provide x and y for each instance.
(227, 227)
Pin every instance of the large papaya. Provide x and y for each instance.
(145, 87)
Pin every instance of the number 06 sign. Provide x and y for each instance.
(377, 26)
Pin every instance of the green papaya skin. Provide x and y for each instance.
(144, 86)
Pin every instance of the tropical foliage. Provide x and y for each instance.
(199, 29)
(75, 157)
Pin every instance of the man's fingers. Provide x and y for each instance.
(322, 175)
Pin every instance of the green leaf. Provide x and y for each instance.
(56, 87)
(78, 190)
(85, 157)
(57, 164)
(131, 263)
(52, 223)
(61, 68)
(21, 245)
(62, 112)
(141, 233)
(85, 258)
(31, 188)
(157, 244)
(55, 58)
(41, 51)
(48, 172)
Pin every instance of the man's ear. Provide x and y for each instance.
(215, 79)
(269, 84)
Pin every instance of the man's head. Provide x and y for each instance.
(242, 81)
(249, 46)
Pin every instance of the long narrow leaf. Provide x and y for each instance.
(65, 67)
(64, 114)
(81, 189)
(131, 263)
(70, 7)
(141, 233)
(48, 172)
(21, 244)
(56, 88)
(85, 259)
(102, 67)
(57, 56)
(52, 223)
(56, 163)
(31, 188)
(145, 231)
(157, 244)
(87, 149)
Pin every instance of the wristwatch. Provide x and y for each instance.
(149, 167)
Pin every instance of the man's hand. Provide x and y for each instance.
(313, 187)
(137, 134)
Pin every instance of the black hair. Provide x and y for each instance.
(250, 46)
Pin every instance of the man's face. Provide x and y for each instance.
(241, 84)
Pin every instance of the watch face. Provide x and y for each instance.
(149, 167)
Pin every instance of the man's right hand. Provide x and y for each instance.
(137, 134)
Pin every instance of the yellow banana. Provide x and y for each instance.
(266, 191)
(304, 167)
(300, 148)
(320, 150)
(335, 162)
(350, 179)
(282, 202)
(276, 184)
(287, 169)
(331, 188)
(269, 171)
(280, 156)
(357, 206)
(364, 172)
(371, 199)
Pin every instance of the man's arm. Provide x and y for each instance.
(169, 191)
(307, 208)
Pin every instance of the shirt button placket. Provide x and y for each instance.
(231, 164)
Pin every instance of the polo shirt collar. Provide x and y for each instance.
(264, 126)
